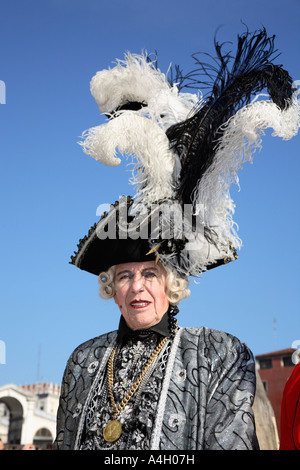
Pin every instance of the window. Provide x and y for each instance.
(43, 432)
(287, 361)
(266, 363)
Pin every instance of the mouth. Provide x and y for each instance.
(137, 304)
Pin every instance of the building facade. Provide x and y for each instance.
(274, 369)
(28, 414)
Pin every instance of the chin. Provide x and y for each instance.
(139, 322)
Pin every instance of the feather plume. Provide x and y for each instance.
(189, 150)
(142, 104)
(195, 139)
(148, 145)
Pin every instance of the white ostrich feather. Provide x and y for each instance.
(141, 138)
(137, 79)
(140, 134)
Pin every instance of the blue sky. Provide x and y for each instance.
(50, 189)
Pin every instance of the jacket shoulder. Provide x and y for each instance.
(216, 345)
(91, 348)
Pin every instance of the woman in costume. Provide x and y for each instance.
(151, 384)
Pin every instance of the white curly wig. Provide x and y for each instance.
(176, 286)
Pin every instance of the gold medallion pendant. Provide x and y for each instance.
(112, 431)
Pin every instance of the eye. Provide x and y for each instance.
(149, 274)
(124, 276)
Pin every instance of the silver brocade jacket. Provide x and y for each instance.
(209, 387)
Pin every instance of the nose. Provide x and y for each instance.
(137, 283)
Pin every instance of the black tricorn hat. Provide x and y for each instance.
(121, 237)
(188, 150)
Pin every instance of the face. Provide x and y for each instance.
(141, 293)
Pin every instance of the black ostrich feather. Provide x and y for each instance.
(252, 70)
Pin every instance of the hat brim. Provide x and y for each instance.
(103, 248)
(100, 249)
(99, 255)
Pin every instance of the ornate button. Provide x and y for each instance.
(175, 420)
(77, 410)
(181, 375)
(92, 367)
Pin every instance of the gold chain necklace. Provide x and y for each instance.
(113, 429)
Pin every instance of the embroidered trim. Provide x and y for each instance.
(154, 445)
(91, 391)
